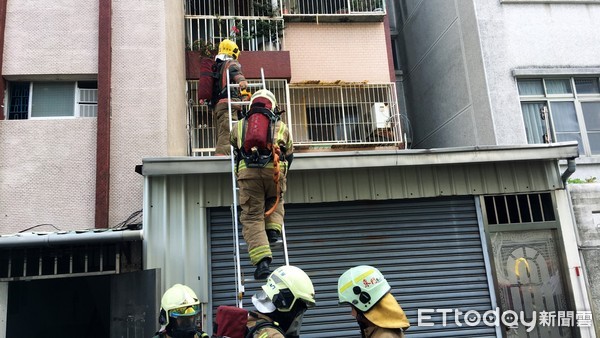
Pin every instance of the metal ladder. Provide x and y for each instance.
(239, 281)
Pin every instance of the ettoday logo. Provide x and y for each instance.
(509, 318)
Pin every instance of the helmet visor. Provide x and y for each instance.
(185, 311)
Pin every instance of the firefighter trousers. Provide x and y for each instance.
(258, 193)
(221, 123)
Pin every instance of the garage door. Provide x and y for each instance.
(428, 249)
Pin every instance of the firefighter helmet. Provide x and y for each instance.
(266, 97)
(178, 301)
(288, 284)
(230, 48)
(362, 286)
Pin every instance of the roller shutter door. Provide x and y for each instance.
(429, 250)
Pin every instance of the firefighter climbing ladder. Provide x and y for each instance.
(239, 282)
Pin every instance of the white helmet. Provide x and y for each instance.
(178, 301)
(362, 286)
(266, 97)
(286, 285)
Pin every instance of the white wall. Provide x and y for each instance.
(531, 36)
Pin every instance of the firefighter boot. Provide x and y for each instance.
(272, 235)
(262, 271)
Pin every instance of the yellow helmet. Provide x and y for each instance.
(260, 96)
(230, 48)
(178, 301)
(286, 285)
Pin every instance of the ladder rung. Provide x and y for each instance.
(203, 150)
(236, 85)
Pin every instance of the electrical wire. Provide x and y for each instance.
(39, 225)
(134, 218)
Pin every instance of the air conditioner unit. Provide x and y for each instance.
(380, 115)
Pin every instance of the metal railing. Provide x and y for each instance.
(253, 25)
(201, 125)
(249, 33)
(232, 7)
(320, 7)
(319, 116)
(345, 115)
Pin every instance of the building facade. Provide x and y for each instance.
(476, 216)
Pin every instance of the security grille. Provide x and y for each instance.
(521, 208)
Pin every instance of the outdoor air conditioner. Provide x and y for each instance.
(380, 115)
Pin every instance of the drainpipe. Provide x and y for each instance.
(2, 27)
(104, 112)
(570, 170)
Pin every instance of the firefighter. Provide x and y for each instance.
(179, 314)
(281, 304)
(226, 59)
(376, 310)
(262, 183)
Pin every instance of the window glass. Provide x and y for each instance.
(587, 86)
(530, 87)
(534, 125)
(591, 114)
(51, 99)
(558, 86)
(564, 117)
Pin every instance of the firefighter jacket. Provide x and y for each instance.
(268, 331)
(235, 76)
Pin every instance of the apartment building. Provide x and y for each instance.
(508, 73)
(97, 93)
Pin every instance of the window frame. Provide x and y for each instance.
(573, 97)
(76, 112)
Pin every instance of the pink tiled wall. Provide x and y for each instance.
(337, 51)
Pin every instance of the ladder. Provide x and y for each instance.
(239, 281)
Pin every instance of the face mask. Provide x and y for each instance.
(183, 327)
(294, 329)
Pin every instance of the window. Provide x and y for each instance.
(562, 109)
(52, 99)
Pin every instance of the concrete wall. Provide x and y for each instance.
(542, 36)
(140, 99)
(47, 174)
(446, 90)
(48, 166)
(585, 199)
(51, 37)
(352, 52)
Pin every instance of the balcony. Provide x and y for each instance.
(333, 10)
(254, 25)
(321, 116)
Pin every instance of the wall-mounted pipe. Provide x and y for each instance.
(571, 166)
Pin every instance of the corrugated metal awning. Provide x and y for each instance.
(374, 158)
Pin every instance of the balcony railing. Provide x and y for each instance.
(250, 33)
(320, 116)
(253, 25)
(239, 8)
(345, 115)
(334, 7)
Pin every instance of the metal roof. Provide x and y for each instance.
(374, 158)
(88, 236)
